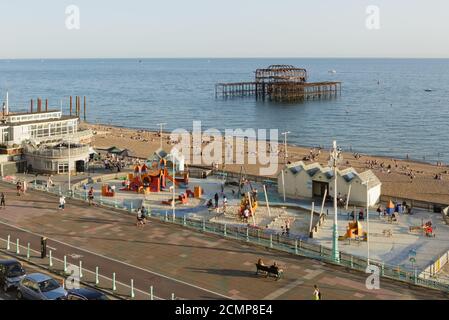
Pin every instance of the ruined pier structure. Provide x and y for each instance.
(280, 83)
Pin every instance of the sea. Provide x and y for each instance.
(387, 107)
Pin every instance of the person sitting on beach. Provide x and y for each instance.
(209, 203)
(260, 262)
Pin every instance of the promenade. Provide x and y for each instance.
(173, 259)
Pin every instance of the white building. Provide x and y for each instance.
(299, 180)
(42, 139)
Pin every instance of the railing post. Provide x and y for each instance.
(50, 259)
(97, 280)
(151, 293)
(383, 269)
(271, 241)
(321, 250)
(247, 234)
(224, 230)
(352, 262)
(166, 215)
(300, 244)
(204, 224)
(17, 247)
(28, 251)
(81, 269)
(114, 288)
(296, 246)
(416, 276)
(65, 264)
(8, 244)
(132, 289)
(173, 296)
(184, 221)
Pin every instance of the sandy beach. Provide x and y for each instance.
(400, 178)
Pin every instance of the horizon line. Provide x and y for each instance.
(222, 58)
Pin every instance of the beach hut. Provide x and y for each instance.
(310, 181)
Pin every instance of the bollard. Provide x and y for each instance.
(247, 235)
(352, 262)
(97, 281)
(296, 246)
(132, 289)
(166, 215)
(224, 230)
(383, 269)
(300, 244)
(50, 260)
(17, 247)
(204, 224)
(184, 222)
(8, 244)
(81, 269)
(28, 251)
(173, 296)
(151, 293)
(321, 250)
(113, 282)
(271, 241)
(416, 276)
(65, 264)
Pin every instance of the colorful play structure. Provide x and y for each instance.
(107, 191)
(144, 180)
(249, 203)
(354, 231)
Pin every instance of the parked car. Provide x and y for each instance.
(38, 286)
(86, 294)
(11, 273)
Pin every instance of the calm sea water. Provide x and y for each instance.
(393, 118)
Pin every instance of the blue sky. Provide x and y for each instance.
(231, 28)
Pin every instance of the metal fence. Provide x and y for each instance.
(266, 238)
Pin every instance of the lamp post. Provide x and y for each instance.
(285, 145)
(161, 125)
(367, 219)
(335, 157)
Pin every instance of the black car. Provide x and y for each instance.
(85, 294)
(11, 272)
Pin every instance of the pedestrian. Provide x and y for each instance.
(316, 293)
(216, 197)
(61, 202)
(2, 200)
(18, 187)
(90, 195)
(24, 187)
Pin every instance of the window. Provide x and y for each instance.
(63, 167)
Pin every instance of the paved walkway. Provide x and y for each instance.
(177, 260)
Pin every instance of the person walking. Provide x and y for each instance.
(216, 197)
(2, 201)
(316, 293)
(61, 202)
(90, 195)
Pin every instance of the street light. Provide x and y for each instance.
(335, 158)
(285, 144)
(160, 131)
(367, 218)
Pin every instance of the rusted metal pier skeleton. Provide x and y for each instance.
(280, 83)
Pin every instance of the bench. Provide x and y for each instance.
(276, 271)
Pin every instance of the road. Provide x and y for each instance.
(176, 260)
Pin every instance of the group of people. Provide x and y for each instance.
(142, 214)
(21, 187)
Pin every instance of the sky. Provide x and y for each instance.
(231, 28)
